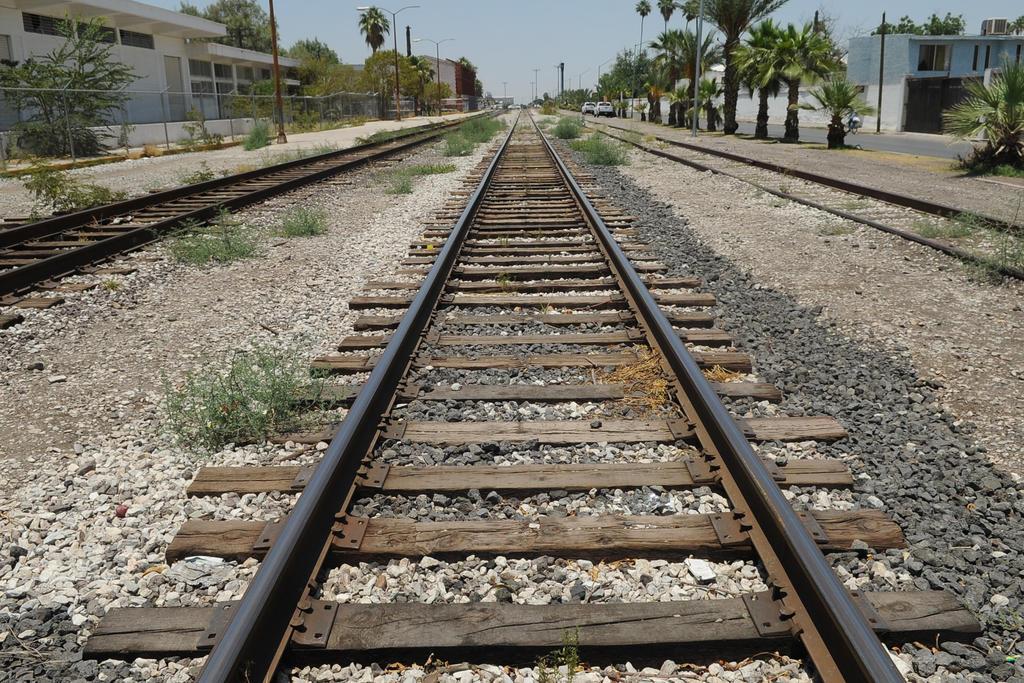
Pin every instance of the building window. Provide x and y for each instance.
(136, 39)
(37, 23)
(200, 68)
(934, 58)
(107, 34)
(265, 74)
(5, 48)
(988, 54)
(974, 62)
(202, 87)
(222, 70)
(244, 73)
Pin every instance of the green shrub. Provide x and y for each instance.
(402, 184)
(304, 222)
(601, 151)
(244, 400)
(430, 169)
(549, 109)
(457, 146)
(56, 191)
(258, 137)
(480, 130)
(567, 128)
(381, 136)
(202, 174)
(198, 134)
(222, 241)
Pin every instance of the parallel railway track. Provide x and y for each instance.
(530, 226)
(34, 255)
(890, 212)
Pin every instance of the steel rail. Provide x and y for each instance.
(260, 626)
(956, 252)
(902, 200)
(856, 651)
(21, 278)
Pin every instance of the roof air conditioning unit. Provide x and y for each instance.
(995, 27)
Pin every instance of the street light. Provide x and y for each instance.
(281, 138)
(437, 56)
(394, 34)
(504, 93)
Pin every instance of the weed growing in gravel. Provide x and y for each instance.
(568, 656)
(200, 175)
(303, 221)
(430, 169)
(112, 285)
(244, 400)
(222, 241)
(480, 130)
(600, 150)
(58, 192)
(834, 229)
(504, 281)
(457, 146)
(943, 229)
(568, 128)
(301, 153)
(258, 137)
(548, 108)
(402, 184)
(380, 136)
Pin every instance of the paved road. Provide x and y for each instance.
(941, 146)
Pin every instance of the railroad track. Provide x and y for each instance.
(960, 233)
(33, 256)
(530, 289)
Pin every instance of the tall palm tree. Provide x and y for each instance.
(668, 66)
(643, 8)
(838, 98)
(666, 7)
(374, 25)
(758, 68)
(805, 56)
(733, 18)
(677, 58)
(1017, 26)
(998, 112)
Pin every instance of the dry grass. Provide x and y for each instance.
(646, 385)
(720, 374)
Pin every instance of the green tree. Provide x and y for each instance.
(421, 66)
(374, 25)
(379, 75)
(677, 58)
(643, 8)
(1017, 25)
(838, 98)
(710, 91)
(997, 111)
(933, 26)
(760, 69)
(804, 58)
(248, 26)
(315, 48)
(733, 18)
(84, 64)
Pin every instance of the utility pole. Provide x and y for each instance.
(535, 82)
(881, 78)
(697, 69)
(504, 93)
(408, 42)
(281, 138)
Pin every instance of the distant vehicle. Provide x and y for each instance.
(605, 109)
(589, 108)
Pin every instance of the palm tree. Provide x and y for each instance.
(666, 7)
(643, 8)
(805, 56)
(733, 17)
(677, 101)
(758, 69)
(374, 25)
(709, 92)
(668, 66)
(678, 59)
(654, 92)
(1017, 26)
(998, 112)
(838, 98)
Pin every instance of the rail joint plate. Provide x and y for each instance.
(348, 533)
(767, 616)
(730, 529)
(269, 535)
(222, 613)
(313, 624)
(372, 475)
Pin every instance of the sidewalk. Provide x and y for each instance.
(919, 176)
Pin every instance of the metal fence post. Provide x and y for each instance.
(165, 106)
(67, 121)
(3, 150)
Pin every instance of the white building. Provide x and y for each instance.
(175, 72)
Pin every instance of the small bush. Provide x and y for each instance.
(402, 185)
(601, 151)
(549, 109)
(944, 229)
(480, 130)
(200, 175)
(258, 137)
(457, 146)
(567, 128)
(381, 136)
(198, 134)
(58, 192)
(304, 222)
(243, 401)
(222, 241)
(430, 169)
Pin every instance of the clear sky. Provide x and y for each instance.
(507, 39)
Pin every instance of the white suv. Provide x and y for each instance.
(589, 108)
(605, 109)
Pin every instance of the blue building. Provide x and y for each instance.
(925, 75)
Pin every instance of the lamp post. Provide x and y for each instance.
(278, 105)
(504, 93)
(696, 70)
(437, 57)
(394, 34)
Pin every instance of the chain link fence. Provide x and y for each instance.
(164, 117)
